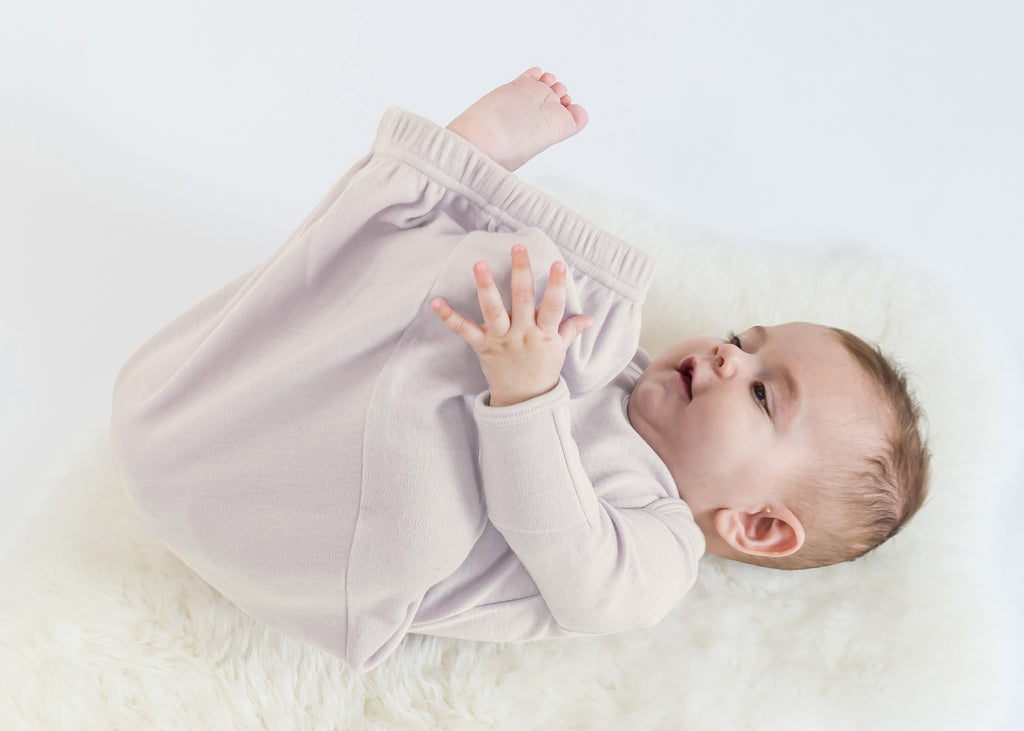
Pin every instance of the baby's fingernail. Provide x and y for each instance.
(560, 267)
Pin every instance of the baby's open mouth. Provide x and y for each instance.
(686, 374)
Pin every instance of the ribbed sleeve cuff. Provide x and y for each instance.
(523, 412)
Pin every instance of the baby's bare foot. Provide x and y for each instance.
(520, 119)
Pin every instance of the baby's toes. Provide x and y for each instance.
(559, 89)
(548, 78)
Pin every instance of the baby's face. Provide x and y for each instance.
(737, 421)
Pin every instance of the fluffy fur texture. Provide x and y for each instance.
(102, 628)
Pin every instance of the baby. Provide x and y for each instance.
(793, 439)
(312, 441)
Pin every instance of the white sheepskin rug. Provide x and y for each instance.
(102, 628)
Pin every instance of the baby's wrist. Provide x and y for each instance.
(498, 400)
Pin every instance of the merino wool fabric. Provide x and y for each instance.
(313, 442)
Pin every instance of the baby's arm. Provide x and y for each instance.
(599, 568)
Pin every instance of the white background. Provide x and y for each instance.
(150, 153)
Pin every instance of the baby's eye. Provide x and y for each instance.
(734, 339)
(761, 394)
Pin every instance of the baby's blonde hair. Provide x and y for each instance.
(863, 499)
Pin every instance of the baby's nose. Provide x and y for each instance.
(722, 360)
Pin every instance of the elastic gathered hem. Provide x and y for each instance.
(457, 164)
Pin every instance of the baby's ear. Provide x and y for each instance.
(771, 532)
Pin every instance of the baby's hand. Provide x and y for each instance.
(521, 356)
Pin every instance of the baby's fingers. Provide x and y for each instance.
(493, 309)
(549, 314)
(573, 327)
(465, 329)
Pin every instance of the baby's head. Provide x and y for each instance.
(795, 446)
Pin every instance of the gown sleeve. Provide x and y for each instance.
(599, 568)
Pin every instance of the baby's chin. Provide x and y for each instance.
(644, 413)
